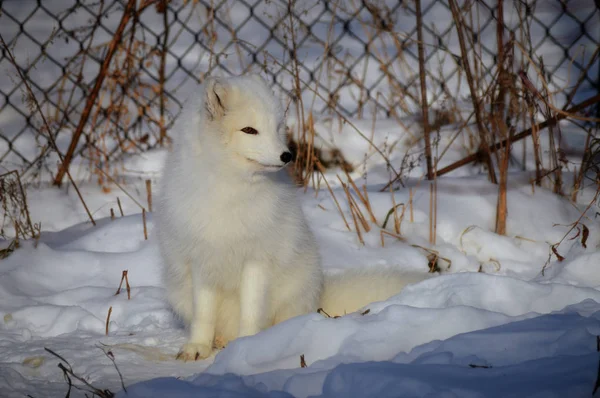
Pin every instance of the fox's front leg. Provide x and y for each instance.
(254, 298)
(202, 325)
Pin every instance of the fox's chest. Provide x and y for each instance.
(231, 216)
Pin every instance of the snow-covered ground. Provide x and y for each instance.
(507, 330)
(503, 318)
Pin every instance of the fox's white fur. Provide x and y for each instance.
(239, 256)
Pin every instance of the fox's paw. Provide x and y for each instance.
(194, 351)
(220, 342)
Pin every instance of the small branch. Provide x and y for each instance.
(483, 132)
(149, 194)
(120, 207)
(144, 222)
(424, 105)
(50, 136)
(69, 374)
(111, 356)
(112, 48)
(523, 134)
(124, 277)
(161, 72)
(108, 320)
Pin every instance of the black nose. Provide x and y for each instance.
(286, 157)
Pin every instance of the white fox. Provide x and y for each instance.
(239, 255)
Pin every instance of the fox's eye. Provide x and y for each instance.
(250, 130)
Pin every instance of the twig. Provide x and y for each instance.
(124, 277)
(410, 204)
(470, 79)
(161, 73)
(115, 42)
(422, 76)
(111, 356)
(144, 221)
(363, 198)
(353, 213)
(384, 232)
(553, 247)
(108, 320)
(121, 188)
(149, 194)
(68, 374)
(321, 170)
(120, 207)
(389, 213)
(50, 136)
(523, 134)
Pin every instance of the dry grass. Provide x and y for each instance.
(506, 101)
(16, 211)
(77, 382)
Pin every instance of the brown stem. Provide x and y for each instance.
(525, 133)
(116, 40)
(424, 105)
(50, 136)
(161, 72)
(483, 133)
(498, 110)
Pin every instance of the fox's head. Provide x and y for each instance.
(246, 120)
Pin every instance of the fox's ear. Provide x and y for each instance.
(215, 97)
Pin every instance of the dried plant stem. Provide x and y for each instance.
(483, 133)
(502, 206)
(46, 125)
(322, 171)
(384, 232)
(435, 207)
(356, 227)
(363, 198)
(523, 134)
(395, 212)
(122, 189)
(498, 110)
(422, 76)
(355, 212)
(341, 116)
(368, 204)
(115, 42)
(125, 278)
(144, 222)
(108, 320)
(161, 73)
(25, 207)
(149, 194)
(553, 248)
(410, 204)
(538, 95)
(120, 207)
(578, 177)
(431, 213)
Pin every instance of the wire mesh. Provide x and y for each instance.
(359, 57)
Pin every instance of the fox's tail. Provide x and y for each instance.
(351, 290)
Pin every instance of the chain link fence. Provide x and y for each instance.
(357, 58)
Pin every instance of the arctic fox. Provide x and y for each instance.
(239, 256)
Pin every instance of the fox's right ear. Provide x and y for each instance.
(215, 97)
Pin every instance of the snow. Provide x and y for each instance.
(507, 331)
(504, 318)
